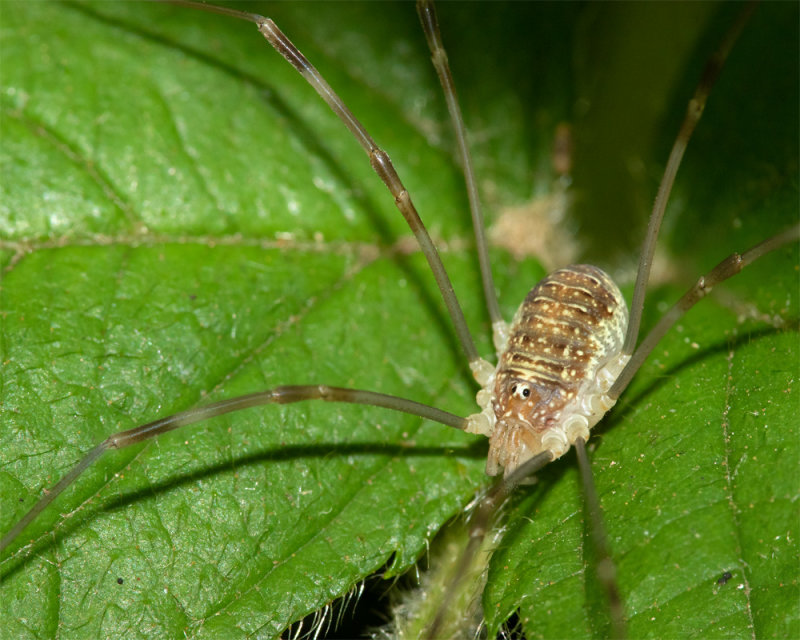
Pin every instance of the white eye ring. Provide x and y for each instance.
(520, 390)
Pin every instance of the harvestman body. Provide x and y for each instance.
(560, 359)
(557, 362)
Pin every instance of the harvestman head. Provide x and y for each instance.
(501, 456)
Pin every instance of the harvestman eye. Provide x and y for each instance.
(572, 347)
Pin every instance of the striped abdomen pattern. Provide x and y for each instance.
(563, 352)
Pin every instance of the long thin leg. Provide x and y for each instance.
(378, 159)
(277, 395)
(728, 268)
(693, 113)
(430, 26)
(606, 570)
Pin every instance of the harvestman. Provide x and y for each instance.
(297, 393)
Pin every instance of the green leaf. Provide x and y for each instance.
(182, 220)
